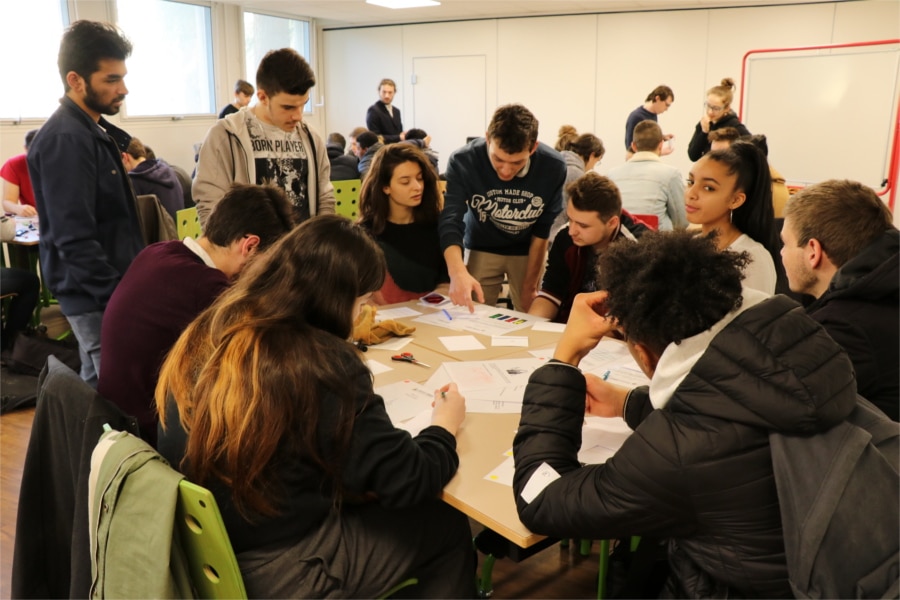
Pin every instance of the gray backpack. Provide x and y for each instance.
(839, 493)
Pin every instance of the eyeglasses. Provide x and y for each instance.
(715, 109)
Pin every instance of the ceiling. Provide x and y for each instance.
(355, 13)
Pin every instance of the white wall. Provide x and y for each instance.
(589, 70)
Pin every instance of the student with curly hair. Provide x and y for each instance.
(729, 192)
(727, 366)
(399, 205)
(265, 401)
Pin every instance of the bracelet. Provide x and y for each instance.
(625, 404)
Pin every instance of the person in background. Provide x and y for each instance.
(343, 166)
(717, 114)
(730, 192)
(352, 146)
(18, 195)
(89, 229)
(399, 205)
(503, 194)
(422, 140)
(594, 211)
(153, 176)
(841, 247)
(728, 366)
(581, 153)
(658, 101)
(383, 118)
(724, 137)
(268, 143)
(264, 401)
(243, 92)
(170, 283)
(367, 145)
(649, 186)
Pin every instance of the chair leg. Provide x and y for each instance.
(485, 581)
(603, 569)
(585, 547)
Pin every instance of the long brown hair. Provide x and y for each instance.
(375, 205)
(248, 375)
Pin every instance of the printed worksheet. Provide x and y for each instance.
(405, 399)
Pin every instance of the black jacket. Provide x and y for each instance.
(380, 121)
(343, 166)
(861, 311)
(52, 556)
(697, 471)
(700, 141)
(382, 462)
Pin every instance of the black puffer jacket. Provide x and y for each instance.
(861, 311)
(697, 471)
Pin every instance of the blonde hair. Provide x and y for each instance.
(724, 90)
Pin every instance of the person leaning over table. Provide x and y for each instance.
(265, 401)
(727, 366)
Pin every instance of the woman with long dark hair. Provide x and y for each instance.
(729, 192)
(399, 205)
(265, 401)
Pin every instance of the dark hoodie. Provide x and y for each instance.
(861, 311)
(154, 176)
(343, 166)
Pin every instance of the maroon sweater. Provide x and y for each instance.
(164, 289)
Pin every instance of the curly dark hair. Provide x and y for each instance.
(670, 286)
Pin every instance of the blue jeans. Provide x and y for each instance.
(86, 328)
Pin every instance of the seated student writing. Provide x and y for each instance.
(265, 401)
(730, 192)
(594, 210)
(727, 366)
(399, 206)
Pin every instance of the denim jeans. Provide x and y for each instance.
(86, 328)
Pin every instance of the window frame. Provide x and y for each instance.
(312, 103)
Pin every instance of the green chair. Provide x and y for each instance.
(346, 194)
(187, 223)
(213, 567)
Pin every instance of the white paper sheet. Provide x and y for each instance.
(384, 314)
(404, 400)
(486, 320)
(504, 472)
(456, 343)
(509, 340)
(377, 367)
(393, 344)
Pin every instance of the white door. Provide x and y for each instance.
(449, 101)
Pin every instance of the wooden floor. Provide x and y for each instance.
(554, 573)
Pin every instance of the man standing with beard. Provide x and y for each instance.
(89, 225)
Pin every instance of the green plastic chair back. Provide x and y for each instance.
(187, 223)
(213, 567)
(346, 195)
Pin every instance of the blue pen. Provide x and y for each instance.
(605, 376)
(446, 314)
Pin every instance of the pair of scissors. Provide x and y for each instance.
(408, 357)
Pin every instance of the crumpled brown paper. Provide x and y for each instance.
(367, 331)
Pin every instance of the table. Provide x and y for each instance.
(483, 438)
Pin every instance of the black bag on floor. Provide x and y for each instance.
(30, 352)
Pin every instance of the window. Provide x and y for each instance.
(29, 44)
(266, 32)
(170, 71)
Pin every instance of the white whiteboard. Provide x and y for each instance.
(825, 116)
